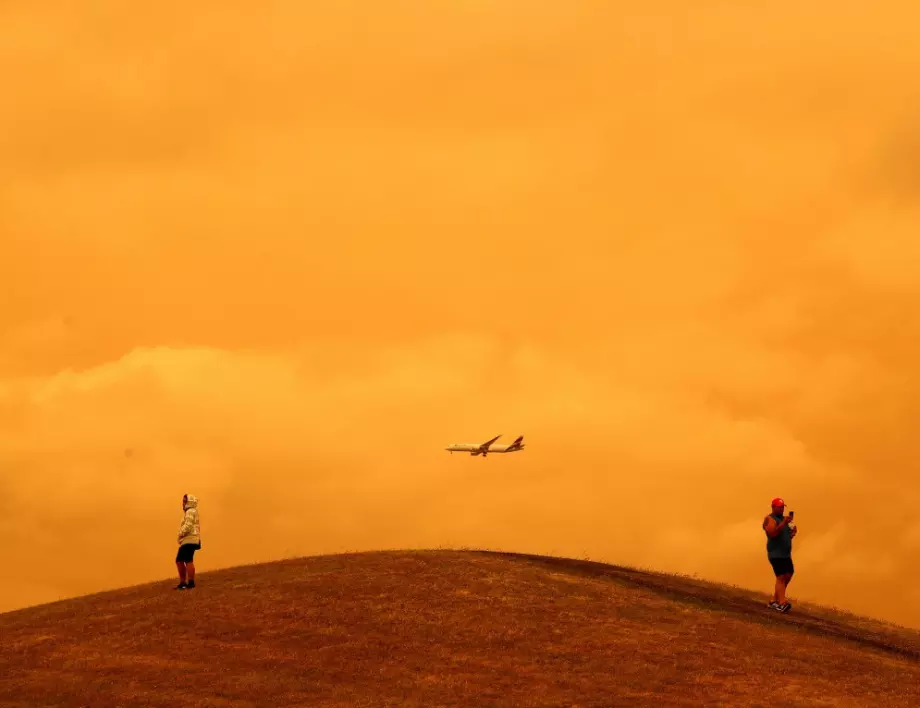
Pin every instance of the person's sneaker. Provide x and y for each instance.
(191, 585)
(181, 586)
(776, 606)
(786, 607)
(773, 605)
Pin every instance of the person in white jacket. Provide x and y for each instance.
(189, 542)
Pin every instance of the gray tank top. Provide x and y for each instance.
(781, 545)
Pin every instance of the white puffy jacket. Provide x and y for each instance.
(190, 530)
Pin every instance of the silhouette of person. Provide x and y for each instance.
(189, 542)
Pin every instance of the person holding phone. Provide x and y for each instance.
(780, 532)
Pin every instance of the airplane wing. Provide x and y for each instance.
(485, 445)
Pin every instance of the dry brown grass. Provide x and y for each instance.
(448, 628)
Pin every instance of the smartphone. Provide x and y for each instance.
(791, 514)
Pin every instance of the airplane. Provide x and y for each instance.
(487, 447)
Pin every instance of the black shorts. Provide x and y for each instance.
(782, 566)
(186, 552)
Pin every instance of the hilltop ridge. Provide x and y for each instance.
(448, 628)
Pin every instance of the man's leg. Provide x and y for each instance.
(779, 592)
(191, 571)
(782, 581)
(776, 587)
(181, 567)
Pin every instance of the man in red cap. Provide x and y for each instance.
(779, 551)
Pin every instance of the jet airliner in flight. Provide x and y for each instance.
(487, 447)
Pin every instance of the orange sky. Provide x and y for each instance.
(280, 257)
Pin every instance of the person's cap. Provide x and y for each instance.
(777, 502)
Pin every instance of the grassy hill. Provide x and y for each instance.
(447, 628)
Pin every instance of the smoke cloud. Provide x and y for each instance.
(281, 257)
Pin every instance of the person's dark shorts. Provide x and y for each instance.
(186, 552)
(782, 566)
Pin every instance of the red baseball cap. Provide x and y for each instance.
(777, 502)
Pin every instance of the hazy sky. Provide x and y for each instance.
(280, 254)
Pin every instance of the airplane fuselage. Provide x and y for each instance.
(485, 449)
(462, 447)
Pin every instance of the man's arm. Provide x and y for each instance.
(772, 528)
